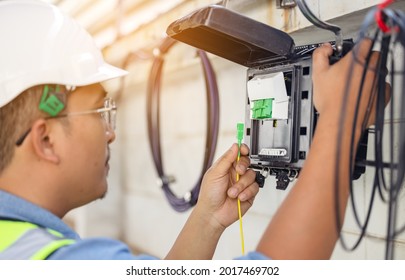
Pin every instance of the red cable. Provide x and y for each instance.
(379, 16)
(385, 4)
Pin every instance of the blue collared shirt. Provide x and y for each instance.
(13, 207)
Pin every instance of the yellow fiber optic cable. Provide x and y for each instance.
(240, 128)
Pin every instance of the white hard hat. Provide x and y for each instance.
(41, 45)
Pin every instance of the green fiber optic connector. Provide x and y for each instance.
(263, 109)
(240, 128)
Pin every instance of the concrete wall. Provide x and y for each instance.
(136, 209)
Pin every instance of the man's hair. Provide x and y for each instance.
(15, 119)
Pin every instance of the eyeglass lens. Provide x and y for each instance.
(110, 115)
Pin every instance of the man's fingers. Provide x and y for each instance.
(242, 165)
(321, 59)
(246, 180)
(226, 161)
(249, 193)
(244, 150)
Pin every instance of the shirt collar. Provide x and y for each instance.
(14, 207)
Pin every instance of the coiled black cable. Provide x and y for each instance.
(181, 204)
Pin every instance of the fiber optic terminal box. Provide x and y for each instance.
(280, 118)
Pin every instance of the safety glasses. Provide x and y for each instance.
(108, 113)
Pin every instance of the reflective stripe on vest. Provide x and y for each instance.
(23, 241)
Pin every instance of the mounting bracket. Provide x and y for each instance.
(285, 4)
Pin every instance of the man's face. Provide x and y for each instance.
(85, 152)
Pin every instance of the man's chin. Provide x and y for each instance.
(104, 194)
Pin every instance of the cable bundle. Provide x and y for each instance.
(386, 28)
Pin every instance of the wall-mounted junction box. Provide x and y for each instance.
(280, 118)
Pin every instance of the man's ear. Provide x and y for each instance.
(42, 141)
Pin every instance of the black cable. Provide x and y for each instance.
(352, 150)
(395, 20)
(181, 204)
(402, 228)
(306, 11)
(385, 44)
(395, 185)
(379, 124)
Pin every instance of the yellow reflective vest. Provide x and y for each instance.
(26, 241)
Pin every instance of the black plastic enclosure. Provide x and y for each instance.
(266, 51)
(232, 36)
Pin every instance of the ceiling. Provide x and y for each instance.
(108, 20)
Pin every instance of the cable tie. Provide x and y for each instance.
(165, 180)
(187, 196)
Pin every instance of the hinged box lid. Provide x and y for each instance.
(232, 36)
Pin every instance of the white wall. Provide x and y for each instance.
(137, 210)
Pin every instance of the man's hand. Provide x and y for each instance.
(332, 81)
(219, 190)
(217, 207)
